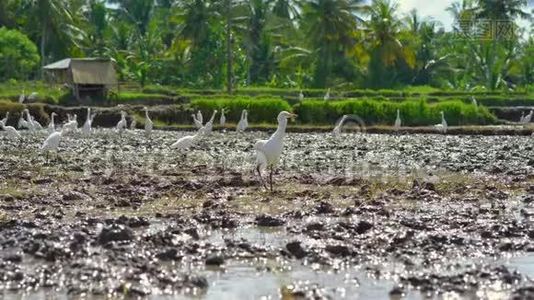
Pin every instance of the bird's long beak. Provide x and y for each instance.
(293, 116)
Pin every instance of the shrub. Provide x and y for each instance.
(18, 55)
(259, 109)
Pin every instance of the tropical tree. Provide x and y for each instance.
(388, 53)
(52, 23)
(330, 26)
(18, 55)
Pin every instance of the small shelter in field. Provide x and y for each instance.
(87, 77)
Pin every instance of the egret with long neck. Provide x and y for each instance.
(398, 121)
(222, 120)
(209, 125)
(86, 129)
(148, 122)
(52, 124)
(243, 123)
(268, 152)
(4, 120)
(337, 128)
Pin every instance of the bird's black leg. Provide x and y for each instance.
(261, 178)
(271, 178)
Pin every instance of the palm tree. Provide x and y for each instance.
(52, 20)
(196, 18)
(330, 27)
(502, 9)
(97, 17)
(137, 12)
(387, 51)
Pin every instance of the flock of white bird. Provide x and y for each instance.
(268, 151)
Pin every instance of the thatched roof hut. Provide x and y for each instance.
(85, 76)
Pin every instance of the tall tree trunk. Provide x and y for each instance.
(42, 49)
(229, 57)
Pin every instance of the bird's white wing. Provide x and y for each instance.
(261, 158)
(183, 142)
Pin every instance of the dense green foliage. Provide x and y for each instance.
(413, 112)
(343, 44)
(18, 55)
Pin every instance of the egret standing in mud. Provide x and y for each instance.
(4, 120)
(22, 123)
(186, 142)
(199, 117)
(208, 128)
(52, 142)
(72, 124)
(443, 126)
(149, 125)
(86, 129)
(121, 125)
(398, 121)
(222, 119)
(11, 131)
(243, 122)
(337, 128)
(36, 125)
(52, 124)
(22, 97)
(268, 151)
(197, 123)
(528, 118)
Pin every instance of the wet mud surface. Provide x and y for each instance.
(362, 215)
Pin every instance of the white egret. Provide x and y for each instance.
(199, 117)
(11, 131)
(36, 125)
(29, 123)
(52, 142)
(522, 118)
(148, 122)
(187, 141)
(52, 125)
(72, 123)
(22, 97)
(208, 128)
(327, 95)
(443, 126)
(301, 96)
(197, 123)
(86, 128)
(133, 125)
(337, 128)
(398, 121)
(222, 119)
(121, 125)
(4, 120)
(22, 123)
(243, 123)
(528, 118)
(268, 151)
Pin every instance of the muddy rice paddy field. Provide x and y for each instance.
(361, 216)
